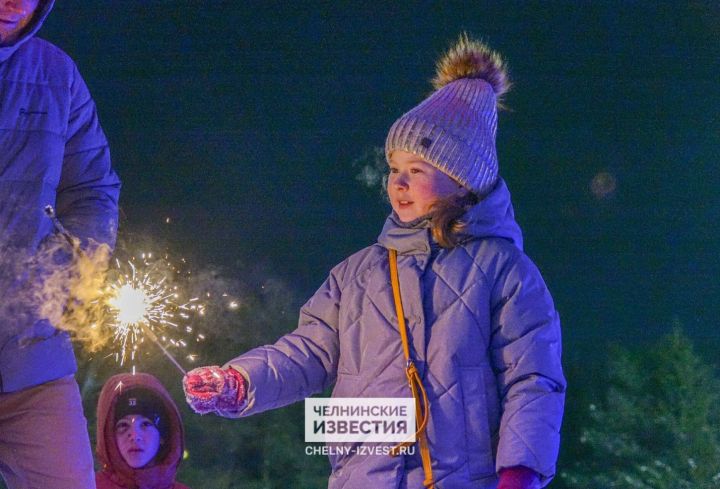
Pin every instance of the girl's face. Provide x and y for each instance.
(414, 185)
(138, 440)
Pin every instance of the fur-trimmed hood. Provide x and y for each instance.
(493, 216)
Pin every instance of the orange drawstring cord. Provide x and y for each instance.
(422, 405)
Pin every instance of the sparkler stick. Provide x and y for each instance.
(151, 334)
(50, 212)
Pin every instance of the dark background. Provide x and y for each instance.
(241, 123)
(248, 123)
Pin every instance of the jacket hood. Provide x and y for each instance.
(41, 12)
(491, 217)
(160, 475)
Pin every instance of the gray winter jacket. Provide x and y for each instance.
(484, 334)
(52, 152)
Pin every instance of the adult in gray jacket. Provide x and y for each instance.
(483, 336)
(52, 152)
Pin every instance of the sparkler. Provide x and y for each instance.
(143, 303)
(138, 302)
(50, 212)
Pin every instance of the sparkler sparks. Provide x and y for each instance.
(144, 305)
(137, 299)
(131, 304)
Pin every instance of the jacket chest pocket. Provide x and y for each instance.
(479, 451)
(34, 107)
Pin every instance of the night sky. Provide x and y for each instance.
(248, 123)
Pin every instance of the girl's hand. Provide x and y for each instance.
(518, 478)
(214, 390)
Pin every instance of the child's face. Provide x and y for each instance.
(414, 185)
(138, 439)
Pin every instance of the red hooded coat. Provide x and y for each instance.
(116, 473)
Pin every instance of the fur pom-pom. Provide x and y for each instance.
(472, 59)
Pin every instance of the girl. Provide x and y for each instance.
(468, 328)
(139, 434)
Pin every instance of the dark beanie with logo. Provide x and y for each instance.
(145, 403)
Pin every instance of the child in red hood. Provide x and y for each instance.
(139, 434)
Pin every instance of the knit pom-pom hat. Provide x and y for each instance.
(454, 128)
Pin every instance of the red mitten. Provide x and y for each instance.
(214, 390)
(518, 477)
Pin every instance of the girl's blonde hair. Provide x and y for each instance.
(446, 222)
